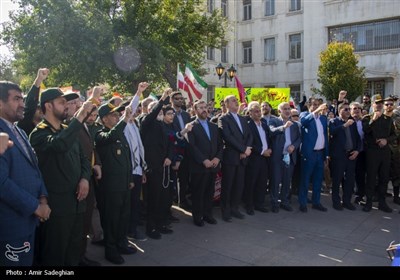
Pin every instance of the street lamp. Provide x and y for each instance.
(231, 73)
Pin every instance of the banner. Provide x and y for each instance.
(273, 96)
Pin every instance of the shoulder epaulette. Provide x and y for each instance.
(42, 125)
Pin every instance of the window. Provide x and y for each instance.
(210, 53)
(295, 46)
(369, 36)
(295, 91)
(224, 8)
(269, 7)
(295, 5)
(269, 86)
(247, 52)
(246, 9)
(269, 49)
(210, 92)
(224, 54)
(210, 6)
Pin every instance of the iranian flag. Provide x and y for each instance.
(196, 85)
(182, 85)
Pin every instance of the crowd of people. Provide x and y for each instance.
(62, 158)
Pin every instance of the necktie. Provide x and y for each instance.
(236, 117)
(349, 142)
(21, 141)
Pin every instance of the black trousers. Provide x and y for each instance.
(378, 165)
(203, 187)
(231, 188)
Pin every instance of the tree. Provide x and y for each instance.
(338, 70)
(97, 41)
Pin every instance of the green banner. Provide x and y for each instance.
(273, 96)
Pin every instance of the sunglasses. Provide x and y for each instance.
(389, 104)
(295, 116)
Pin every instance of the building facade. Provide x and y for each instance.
(276, 43)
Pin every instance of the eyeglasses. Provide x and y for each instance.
(170, 113)
(389, 104)
(178, 98)
(295, 116)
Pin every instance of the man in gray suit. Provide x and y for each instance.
(285, 143)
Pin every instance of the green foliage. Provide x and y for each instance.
(339, 71)
(77, 39)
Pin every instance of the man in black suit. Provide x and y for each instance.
(180, 120)
(344, 147)
(257, 169)
(237, 139)
(205, 145)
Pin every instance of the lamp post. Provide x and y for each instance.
(231, 72)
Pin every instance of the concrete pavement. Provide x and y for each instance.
(333, 238)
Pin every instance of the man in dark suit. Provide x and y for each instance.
(205, 145)
(237, 139)
(314, 151)
(66, 172)
(257, 168)
(344, 147)
(286, 141)
(23, 196)
(181, 118)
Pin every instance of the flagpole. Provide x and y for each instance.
(177, 79)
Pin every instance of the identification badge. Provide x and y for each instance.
(119, 152)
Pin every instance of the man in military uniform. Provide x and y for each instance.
(116, 181)
(390, 103)
(66, 173)
(378, 133)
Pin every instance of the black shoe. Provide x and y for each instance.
(128, 250)
(115, 259)
(165, 230)
(303, 208)
(275, 209)
(84, 261)
(338, 206)
(319, 207)
(100, 242)
(359, 200)
(388, 194)
(250, 212)
(227, 218)
(153, 234)
(210, 220)
(368, 206)
(237, 215)
(261, 209)
(199, 223)
(286, 207)
(309, 200)
(349, 206)
(385, 208)
(396, 200)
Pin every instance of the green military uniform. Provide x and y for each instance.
(395, 159)
(114, 199)
(63, 165)
(378, 159)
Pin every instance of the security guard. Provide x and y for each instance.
(378, 133)
(115, 183)
(66, 172)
